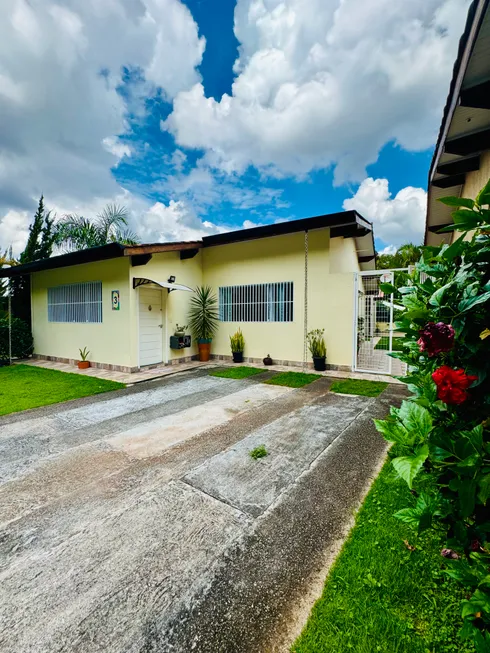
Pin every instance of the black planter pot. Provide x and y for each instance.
(319, 363)
(237, 356)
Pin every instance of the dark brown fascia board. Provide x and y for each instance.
(435, 228)
(338, 221)
(449, 182)
(102, 253)
(366, 259)
(469, 143)
(186, 254)
(460, 166)
(477, 97)
(157, 248)
(476, 14)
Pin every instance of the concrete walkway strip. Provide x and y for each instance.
(292, 443)
(108, 587)
(151, 438)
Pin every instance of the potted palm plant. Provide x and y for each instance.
(318, 350)
(237, 343)
(83, 363)
(203, 319)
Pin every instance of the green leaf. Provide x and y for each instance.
(475, 436)
(436, 299)
(455, 248)
(387, 288)
(479, 602)
(408, 516)
(484, 485)
(457, 202)
(464, 216)
(465, 304)
(408, 467)
(416, 419)
(466, 494)
(483, 196)
(393, 431)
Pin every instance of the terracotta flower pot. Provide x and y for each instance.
(204, 351)
(83, 365)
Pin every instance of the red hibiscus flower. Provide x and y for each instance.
(436, 338)
(452, 384)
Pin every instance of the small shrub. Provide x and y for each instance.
(258, 452)
(22, 342)
(316, 343)
(237, 342)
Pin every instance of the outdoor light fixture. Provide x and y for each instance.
(171, 279)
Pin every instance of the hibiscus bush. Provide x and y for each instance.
(442, 431)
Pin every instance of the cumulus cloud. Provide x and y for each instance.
(327, 82)
(397, 220)
(61, 66)
(14, 230)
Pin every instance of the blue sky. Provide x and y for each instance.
(208, 115)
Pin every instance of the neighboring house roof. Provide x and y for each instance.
(348, 224)
(465, 127)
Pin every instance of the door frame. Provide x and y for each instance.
(163, 329)
(355, 329)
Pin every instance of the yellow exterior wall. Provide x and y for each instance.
(281, 258)
(331, 267)
(175, 304)
(474, 182)
(109, 341)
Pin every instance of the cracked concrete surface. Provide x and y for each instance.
(138, 522)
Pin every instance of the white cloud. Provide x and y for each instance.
(397, 220)
(61, 65)
(389, 249)
(325, 82)
(14, 230)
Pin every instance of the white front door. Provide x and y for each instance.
(150, 326)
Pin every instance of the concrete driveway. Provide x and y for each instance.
(138, 522)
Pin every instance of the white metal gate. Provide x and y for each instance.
(374, 316)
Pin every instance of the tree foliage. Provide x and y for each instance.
(38, 247)
(443, 429)
(74, 232)
(404, 256)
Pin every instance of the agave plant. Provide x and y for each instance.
(203, 313)
(74, 232)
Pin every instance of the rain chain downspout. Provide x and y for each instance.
(305, 335)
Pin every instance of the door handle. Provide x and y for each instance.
(160, 326)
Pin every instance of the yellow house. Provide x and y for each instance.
(274, 282)
(461, 163)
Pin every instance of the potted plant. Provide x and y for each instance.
(83, 363)
(237, 343)
(318, 350)
(203, 319)
(180, 330)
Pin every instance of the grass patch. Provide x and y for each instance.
(259, 452)
(358, 387)
(384, 343)
(380, 597)
(24, 386)
(293, 379)
(241, 372)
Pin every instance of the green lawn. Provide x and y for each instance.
(380, 597)
(293, 379)
(23, 386)
(241, 372)
(384, 343)
(357, 387)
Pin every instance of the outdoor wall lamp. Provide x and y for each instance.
(171, 279)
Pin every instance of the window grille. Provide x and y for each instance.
(262, 302)
(77, 302)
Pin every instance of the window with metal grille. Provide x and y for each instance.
(77, 302)
(261, 302)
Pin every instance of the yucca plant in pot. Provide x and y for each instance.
(318, 350)
(203, 319)
(237, 343)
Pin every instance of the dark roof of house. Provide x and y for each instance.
(347, 224)
(465, 128)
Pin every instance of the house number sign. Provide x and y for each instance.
(116, 300)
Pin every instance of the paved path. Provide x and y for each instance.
(139, 522)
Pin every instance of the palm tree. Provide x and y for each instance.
(74, 232)
(406, 255)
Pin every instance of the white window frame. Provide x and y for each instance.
(260, 302)
(75, 303)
